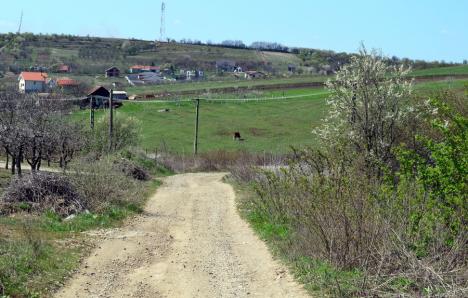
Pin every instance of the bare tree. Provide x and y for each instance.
(35, 129)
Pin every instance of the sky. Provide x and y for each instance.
(416, 29)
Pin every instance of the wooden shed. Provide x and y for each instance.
(112, 72)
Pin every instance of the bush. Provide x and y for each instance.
(132, 170)
(102, 186)
(40, 192)
(126, 134)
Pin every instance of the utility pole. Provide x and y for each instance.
(195, 143)
(111, 119)
(91, 112)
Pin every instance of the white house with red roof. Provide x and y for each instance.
(32, 82)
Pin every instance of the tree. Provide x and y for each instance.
(368, 100)
(33, 129)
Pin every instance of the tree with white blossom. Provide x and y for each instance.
(368, 100)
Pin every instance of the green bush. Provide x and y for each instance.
(440, 172)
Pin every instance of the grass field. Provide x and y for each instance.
(271, 125)
(442, 71)
(207, 85)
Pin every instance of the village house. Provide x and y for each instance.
(194, 74)
(32, 82)
(112, 72)
(65, 83)
(227, 66)
(120, 95)
(291, 68)
(64, 68)
(254, 75)
(144, 78)
(144, 68)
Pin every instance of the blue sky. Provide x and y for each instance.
(418, 29)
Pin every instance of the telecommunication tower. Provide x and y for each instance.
(162, 30)
(20, 23)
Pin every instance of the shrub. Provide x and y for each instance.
(132, 170)
(102, 186)
(41, 192)
(126, 134)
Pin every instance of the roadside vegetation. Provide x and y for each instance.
(76, 180)
(379, 208)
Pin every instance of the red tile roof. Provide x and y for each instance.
(64, 68)
(34, 76)
(67, 82)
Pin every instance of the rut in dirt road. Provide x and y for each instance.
(190, 242)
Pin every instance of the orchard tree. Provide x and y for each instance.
(369, 99)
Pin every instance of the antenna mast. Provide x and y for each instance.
(20, 22)
(162, 31)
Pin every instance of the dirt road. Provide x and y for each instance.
(190, 242)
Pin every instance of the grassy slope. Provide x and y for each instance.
(265, 125)
(272, 125)
(452, 70)
(207, 85)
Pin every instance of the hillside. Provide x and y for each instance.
(91, 55)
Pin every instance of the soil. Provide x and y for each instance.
(190, 242)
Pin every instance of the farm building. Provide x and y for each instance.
(122, 95)
(67, 83)
(112, 72)
(144, 68)
(254, 75)
(144, 78)
(64, 68)
(32, 82)
(291, 68)
(227, 66)
(194, 74)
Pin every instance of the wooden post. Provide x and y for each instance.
(195, 143)
(111, 119)
(91, 112)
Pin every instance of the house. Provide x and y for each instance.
(67, 83)
(144, 78)
(38, 68)
(64, 68)
(291, 68)
(225, 66)
(98, 96)
(32, 82)
(112, 72)
(122, 95)
(254, 75)
(194, 74)
(144, 68)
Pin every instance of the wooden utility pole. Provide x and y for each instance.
(195, 143)
(111, 119)
(91, 112)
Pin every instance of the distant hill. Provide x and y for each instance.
(92, 55)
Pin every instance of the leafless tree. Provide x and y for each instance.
(35, 129)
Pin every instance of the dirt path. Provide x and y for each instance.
(190, 242)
